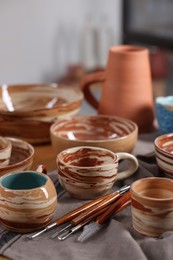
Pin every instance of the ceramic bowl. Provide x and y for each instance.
(152, 205)
(22, 156)
(5, 151)
(164, 114)
(27, 111)
(110, 132)
(164, 153)
(28, 200)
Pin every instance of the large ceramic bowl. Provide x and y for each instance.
(110, 132)
(27, 111)
(164, 153)
(22, 156)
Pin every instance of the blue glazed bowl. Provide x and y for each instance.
(164, 114)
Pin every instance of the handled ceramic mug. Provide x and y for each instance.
(127, 86)
(87, 172)
(28, 200)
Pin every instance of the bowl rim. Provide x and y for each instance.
(134, 131)
(145, 179)
(12, 166)
(56, 86)
(157, 139)
(114, 156)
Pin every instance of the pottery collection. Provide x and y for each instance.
(88, 148)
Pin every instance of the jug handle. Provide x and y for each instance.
(85, 83)
(41, 169)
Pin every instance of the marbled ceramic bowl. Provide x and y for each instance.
(22, 156)
(28, 200)
(164, 113)
(164, 153)
(152, 205)
(110, 132)
(27, 111)
(5, 151)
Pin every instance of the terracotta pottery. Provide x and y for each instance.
(114, 133)
(28, 200)
(127, 86)
(87, 172)
(152, 205)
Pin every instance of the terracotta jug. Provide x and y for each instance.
(127, 86)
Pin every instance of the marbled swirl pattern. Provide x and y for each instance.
(164, 153)
(5, 151)
(22, 156)
(25, 210)
(110, 132)
(152, 206)
(25, 109)
(87, 172)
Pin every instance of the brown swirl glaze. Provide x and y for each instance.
(164, 153)
(25, 109)
(22, 156)
(25, 207)
(114, 133)
(87, 172)
(152, 206)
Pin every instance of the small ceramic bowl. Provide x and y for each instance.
(28, 200)
(5, 151)
(27, 111)
(22, 156)
(152, 205)
(110, 132)
(164, 153)
(164, 114)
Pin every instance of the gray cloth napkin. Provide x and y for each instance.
(116, 240)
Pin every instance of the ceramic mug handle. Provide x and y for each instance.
(133, 167)
(85, 83)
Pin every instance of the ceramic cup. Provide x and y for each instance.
(163, 146)
(5, 151)
(152, 205)
(28, 200)
(87, 172)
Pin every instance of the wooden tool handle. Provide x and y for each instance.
(74, 213)
(115, 207)
(95, 208)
